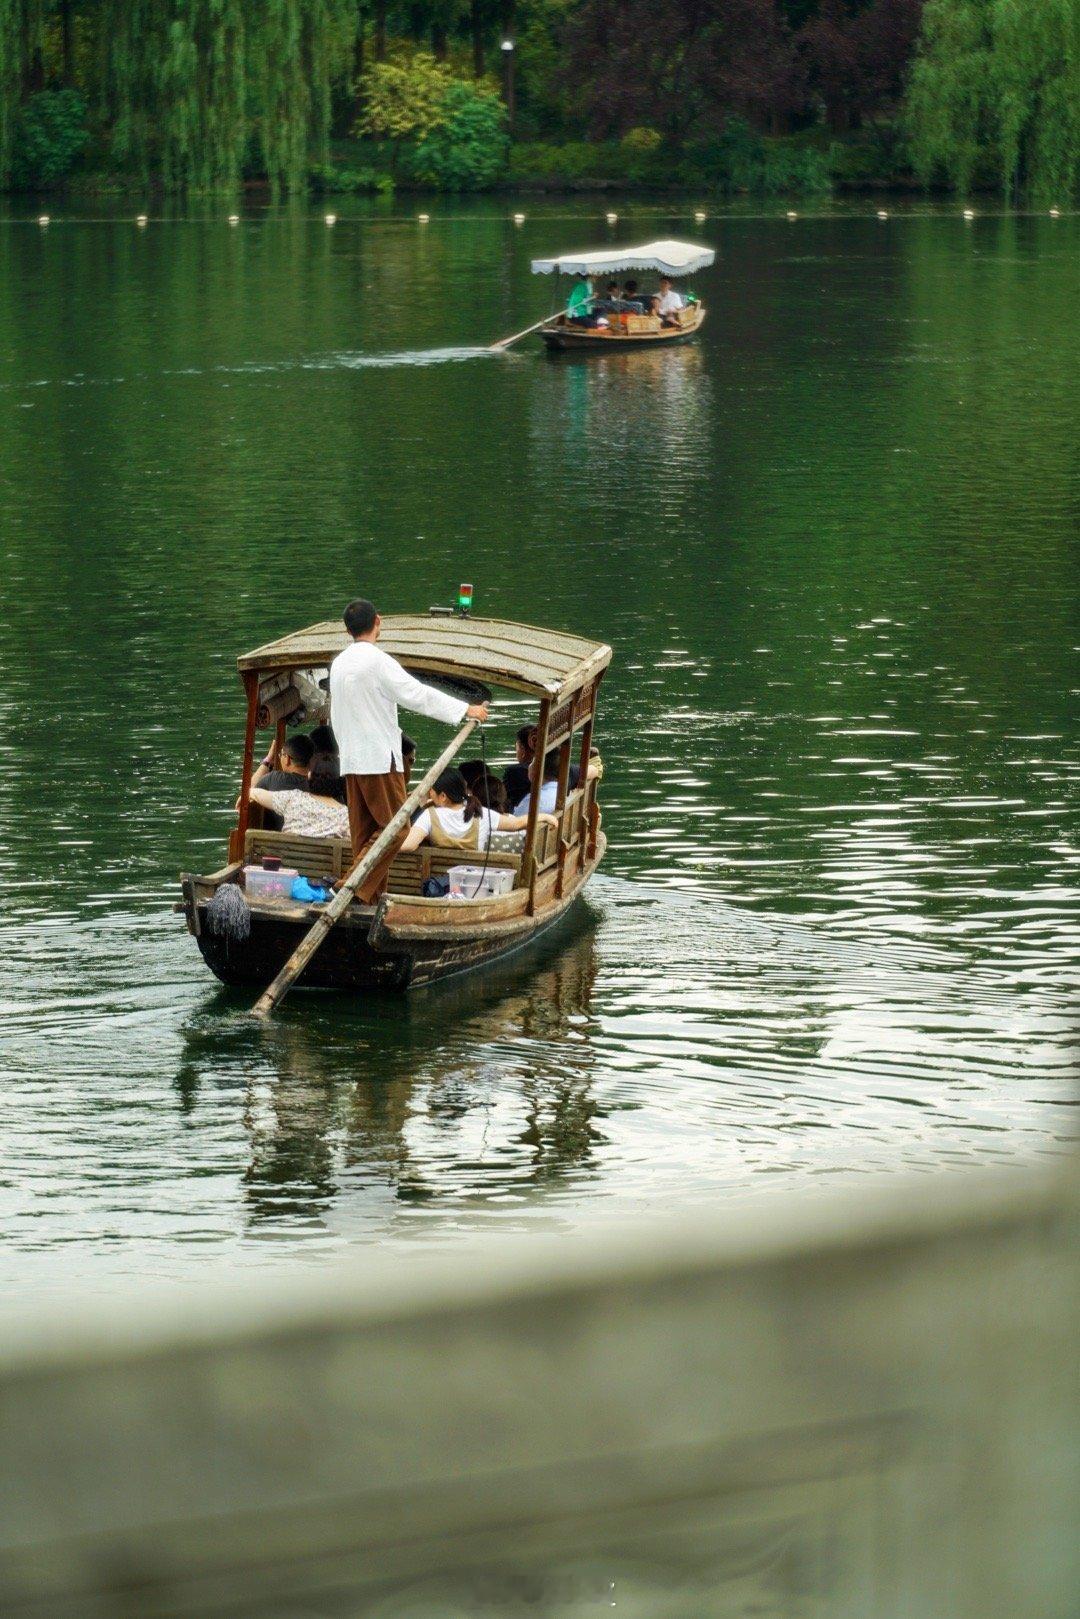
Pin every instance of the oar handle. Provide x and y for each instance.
(341, 901)
(505, 342)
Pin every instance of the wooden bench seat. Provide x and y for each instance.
(409, 872)
(311, 857)
(332, 857)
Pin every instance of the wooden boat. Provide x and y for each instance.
(407, 940)
(624, 328)
(564, 334)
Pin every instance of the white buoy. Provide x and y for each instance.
(969, 213)
(883, 213)
(1055, 213)
(612, 219)
(234, 219)
(792, 214)
(331, 219)
(519, 219)
(43, 219)
(423, 218)
(140, 219)
(700, 216)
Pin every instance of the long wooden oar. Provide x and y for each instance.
(505, 342)
(341, 901)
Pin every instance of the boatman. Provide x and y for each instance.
(366, 686)
(579, 305)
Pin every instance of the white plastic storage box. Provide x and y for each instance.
(499, 879)
(262, 884)
(473, 882)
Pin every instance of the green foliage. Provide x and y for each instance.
(641, 141)
(568, 162)
(50, 132)
(588, 163)
(736, 160)
(741, 160)
(466, 150)
(998, 82)
(404, 100)
(327, 179)
(200, 93)
(873, 156)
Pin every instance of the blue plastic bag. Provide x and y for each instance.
(309, 893)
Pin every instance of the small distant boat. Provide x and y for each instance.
(409, 939)
(626, 330)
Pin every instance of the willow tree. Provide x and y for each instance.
(297, 51)
(997, 82)
(190, 88)
(22, 38)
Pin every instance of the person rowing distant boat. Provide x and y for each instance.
(579, 305)
(627, 315)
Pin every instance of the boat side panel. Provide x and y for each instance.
(566, 337)
(406, 956)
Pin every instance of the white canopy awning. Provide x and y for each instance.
(669, 258)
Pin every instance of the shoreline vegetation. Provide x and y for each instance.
(752, 98)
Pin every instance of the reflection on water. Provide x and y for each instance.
(833, 544)
(453, 1095)
(661, 1050)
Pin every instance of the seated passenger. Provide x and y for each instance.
(473, 770)
(454, 820)
(487, 788)
(291, 774)
(490, 791)
(632, 299)
(323, 739)
(318, 813)
(549, 790)
(670, 302)
(408, 756)
(517, 776)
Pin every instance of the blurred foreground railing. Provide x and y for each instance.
(856, 1407)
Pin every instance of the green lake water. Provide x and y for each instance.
(834, 545)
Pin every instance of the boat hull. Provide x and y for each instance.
(403, 945)
(580, 339)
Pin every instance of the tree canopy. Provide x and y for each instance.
(203, 93)
(997, 82)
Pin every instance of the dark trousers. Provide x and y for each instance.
(373, 803)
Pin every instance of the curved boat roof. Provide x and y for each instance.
(544, 663)
(668, 257)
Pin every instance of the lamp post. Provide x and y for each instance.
(508, 81)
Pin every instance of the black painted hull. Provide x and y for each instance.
(347, 960)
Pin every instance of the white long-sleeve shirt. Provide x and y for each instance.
(366, 686)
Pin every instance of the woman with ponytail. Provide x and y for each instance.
(454, 819)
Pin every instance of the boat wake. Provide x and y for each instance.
(347, 361)
(344, 361)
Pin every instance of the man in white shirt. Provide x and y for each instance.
(366, 686)
(669, 303)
